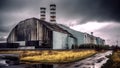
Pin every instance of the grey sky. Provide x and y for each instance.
(81, 11)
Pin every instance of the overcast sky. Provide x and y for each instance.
(99, 16)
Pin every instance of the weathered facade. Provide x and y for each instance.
(39, 33)
(49, 34)
(84, 38)
(79, 35)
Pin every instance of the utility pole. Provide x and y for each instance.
(117, 36)
(117, 42)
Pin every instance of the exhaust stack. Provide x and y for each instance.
(53, 13)
(43, 13)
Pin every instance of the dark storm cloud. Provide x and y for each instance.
(92, 10)
(83, 10)
(2, 39)
(9, 10)
(9, 5)
(3, 27)
(6, 7)
(13, 11)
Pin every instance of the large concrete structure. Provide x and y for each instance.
(49, 34)
(36, 32)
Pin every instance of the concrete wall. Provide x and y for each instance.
(59, 40)
(95, 41)
(87, 38)
(21, 43)
(100, 41)
(77, 34)
(71, 41)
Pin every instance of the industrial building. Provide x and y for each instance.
(42, 34)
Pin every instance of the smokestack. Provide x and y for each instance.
(91, 33)
(53, 13)
(42, 13)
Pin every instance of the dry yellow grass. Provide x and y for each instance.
(116, 56)
(53, 56)
(58, 56)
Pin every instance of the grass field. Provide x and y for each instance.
(116, 59)
(52, 56)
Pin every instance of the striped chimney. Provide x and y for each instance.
(53, 13)
(43, 13)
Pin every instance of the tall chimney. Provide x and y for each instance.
(42, 13)
(92, 33)
(53, 13)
